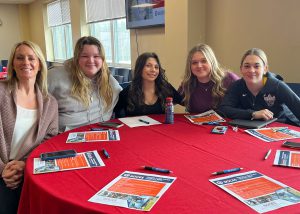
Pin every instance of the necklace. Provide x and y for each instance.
(205, 86)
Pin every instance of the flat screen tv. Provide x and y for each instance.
(144, 13)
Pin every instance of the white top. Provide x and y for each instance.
(25, 123)
(72, 113)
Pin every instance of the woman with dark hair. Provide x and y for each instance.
(84, 88)
(148, 91)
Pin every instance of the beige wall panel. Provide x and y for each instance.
(9, 30)
(148, 40)
(233, 26)
(36, 24)
(24, 21)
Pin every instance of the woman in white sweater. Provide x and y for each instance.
(85, 90)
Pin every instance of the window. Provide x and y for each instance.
(107, 22)
(61, 32)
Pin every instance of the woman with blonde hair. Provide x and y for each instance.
(260, 94)
(85, 90)
(28, 116)
(205, 81)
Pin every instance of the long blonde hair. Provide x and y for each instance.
(41, 77)
(82, 86)
(217, 75)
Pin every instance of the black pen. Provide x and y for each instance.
(144, 121)
(98, 129)
(227, 171)
(157, 169)
(105, 153)
(211, 123)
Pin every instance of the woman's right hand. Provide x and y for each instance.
(264, 114)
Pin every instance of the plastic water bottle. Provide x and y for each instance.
(169, 111)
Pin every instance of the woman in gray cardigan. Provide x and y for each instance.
(85, 90)
(28, 116)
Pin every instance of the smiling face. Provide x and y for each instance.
(90, 61)
(200, 67)
(253, 69)
(150, 70)
(25, 63)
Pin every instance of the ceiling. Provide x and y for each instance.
(16, 1)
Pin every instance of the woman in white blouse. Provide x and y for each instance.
(28, 116)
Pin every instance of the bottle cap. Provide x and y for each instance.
(169, 99)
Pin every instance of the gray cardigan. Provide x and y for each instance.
(47, 126)
(72, 113)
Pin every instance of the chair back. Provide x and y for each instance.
(125, 72)
(119, 78)
(112, 70)
(295, 87)
(125, 84)
(4, 62)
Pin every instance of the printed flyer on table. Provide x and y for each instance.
(134, 190)
(258, 191)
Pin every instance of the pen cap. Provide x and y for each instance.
(169, 99)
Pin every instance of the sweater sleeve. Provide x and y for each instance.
(230, 106)
(177, 98)
(120, 108)
(52, 129)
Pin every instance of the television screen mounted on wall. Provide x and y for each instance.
(144, 13)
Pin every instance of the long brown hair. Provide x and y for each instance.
(136, 95)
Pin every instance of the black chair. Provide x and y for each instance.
(124, 84)
(112, 70)
(119, 78)
(49, 64)
(295, 87)
(125, 72)
(4, 62)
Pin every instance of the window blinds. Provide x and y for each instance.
(100, 10)
(58, 13)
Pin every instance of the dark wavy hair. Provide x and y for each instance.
(162, 87)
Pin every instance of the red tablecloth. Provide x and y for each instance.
(190, 151)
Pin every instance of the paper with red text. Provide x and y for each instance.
(273, 133)
(93, 136)
(287, 158)
(133, 190)
(258, 191)
(206, 117)
(80, 161)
